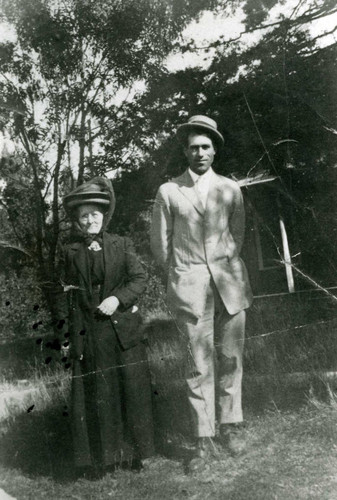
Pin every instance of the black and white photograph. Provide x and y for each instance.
(168, 249)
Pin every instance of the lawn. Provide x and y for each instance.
(291, 431)
(291, 455)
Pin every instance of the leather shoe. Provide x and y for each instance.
(231, 439)
(136, 464)
(197, 464)
(203, 451)
(89, 472)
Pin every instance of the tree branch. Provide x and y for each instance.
(303, 19)
(12, 223)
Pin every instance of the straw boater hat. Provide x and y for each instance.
(200, 123)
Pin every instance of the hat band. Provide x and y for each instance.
(90, 201)
(82, 198)
(203, 124)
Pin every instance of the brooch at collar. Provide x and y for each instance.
(95, 246)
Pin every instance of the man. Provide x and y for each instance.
(197, 234)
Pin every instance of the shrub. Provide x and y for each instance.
(23, 309)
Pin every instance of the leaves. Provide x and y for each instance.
(59, 83)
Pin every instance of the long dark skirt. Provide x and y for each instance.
(111, 401)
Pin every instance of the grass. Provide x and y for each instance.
(290, 427)
(43, 390)
(291, 455)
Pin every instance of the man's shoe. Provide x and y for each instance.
(89, 472)
(136, 464)
(197, 464)
(204, 449)
(231, 439)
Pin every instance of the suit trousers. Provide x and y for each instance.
(214, 364)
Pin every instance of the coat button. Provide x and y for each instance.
(115, 322)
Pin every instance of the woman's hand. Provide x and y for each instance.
(109, 305)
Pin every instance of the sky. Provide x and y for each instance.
(209, 28)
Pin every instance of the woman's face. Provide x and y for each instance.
(90, 218)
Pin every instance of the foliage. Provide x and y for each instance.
(153, 300)
(23, 308)
(274, 116)
(291, 334)
(290, 434)
(274, 102)
(59, 81)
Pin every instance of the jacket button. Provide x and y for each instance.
(115, 321)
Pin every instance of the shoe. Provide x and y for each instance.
(136, 464)
(110, 469)
(203, 452)
(89, 472)
(231, 439)
(197, 464)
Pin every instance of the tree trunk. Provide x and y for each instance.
(39, 205)
(55, 210)
(82, 147)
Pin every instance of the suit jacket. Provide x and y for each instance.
(124, 278)
(195, 244)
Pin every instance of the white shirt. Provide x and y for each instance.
(201, 184)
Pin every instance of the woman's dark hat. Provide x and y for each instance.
(200, 123)
(90, 193)
(98, 191)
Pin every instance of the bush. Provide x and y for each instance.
(293, 333)
(152, 302)
(23, 309)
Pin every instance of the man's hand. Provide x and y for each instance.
(109, 305)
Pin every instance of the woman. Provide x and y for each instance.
(111, 394)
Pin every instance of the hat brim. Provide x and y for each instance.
(186, 128)
(86, 198)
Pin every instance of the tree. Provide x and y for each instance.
(59, 79)
(274, 102)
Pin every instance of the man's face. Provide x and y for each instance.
(200, 152)
(90, 218)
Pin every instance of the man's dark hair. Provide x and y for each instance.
(198, 131)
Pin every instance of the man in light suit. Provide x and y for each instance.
(197, 233)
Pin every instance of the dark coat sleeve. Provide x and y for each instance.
(162, 229)
(135, 281)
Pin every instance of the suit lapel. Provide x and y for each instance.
(213, 213)
(187, 188)
(213, 198)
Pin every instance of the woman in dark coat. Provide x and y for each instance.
(111, 394)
